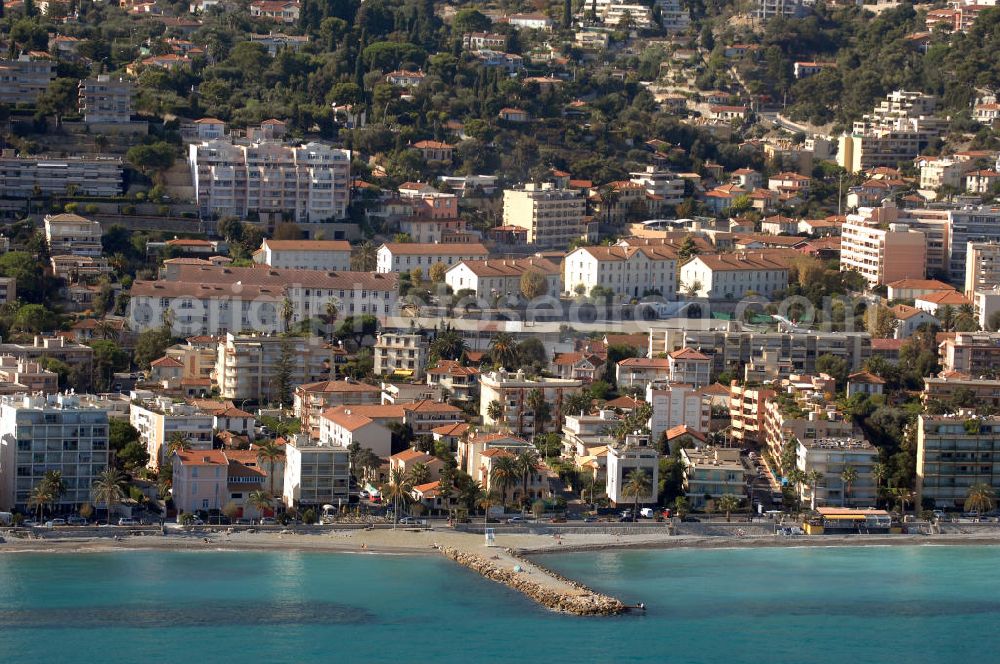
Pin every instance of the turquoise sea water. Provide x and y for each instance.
(879, 604)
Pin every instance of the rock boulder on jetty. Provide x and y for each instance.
(579, 601)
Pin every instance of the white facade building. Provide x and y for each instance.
(315, 474)
(341, 426)
(629, 271)
(501, 276)
(326, 255)
(404, 256)
(311, 182)
(636, 454)
(674, 405)
(731, 276)
(57, 432)
(72, 235)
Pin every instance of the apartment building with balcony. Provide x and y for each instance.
(713, 471)
(552, 217)
(47, 175)
(971, 353)
(401, 355)
(23, 80)
(747, 406)
(511, 390)
(246, 365)
(955, 452)
(315, 474)
(311, 182)
(106, 100)
(70, 234)
(882, 253)
(57, 432)
(312, 399)
(830, 457)
(159, 420)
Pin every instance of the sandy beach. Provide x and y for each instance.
(410, 541)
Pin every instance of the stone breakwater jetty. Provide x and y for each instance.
(552, 591)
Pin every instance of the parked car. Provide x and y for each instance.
(127, 521)
(410, 521)
(52, 523)
(516, 519)
(76, 521)
(590, 519)
(29, 523)
(557, 519)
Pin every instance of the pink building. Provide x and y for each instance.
(882, 250)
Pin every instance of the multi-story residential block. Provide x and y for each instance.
(326, 255)
(29, 176)
(983, 392)
(426, 415)
(675, 405)
(637, 372)
(312, 399)
(462, 383)
(767, 9)
(939, 172)
(955, 452)
(689, 366)
(800, 415)
(315, 474)
(490, 278)
(23, 80)
(712, 471)
(216, 299)
(104, 100)
(247, 365)
(78, 356)
(630, 271)
(970, 224)
(830, 457)
(732, 276)
(511, 391)
(747, 408)
(971, 353)
(50, 433)
(160, 420)
(71, 234)
(26, 376)
(882, 254)
(668, 187)
(794, 353)
(401, 355)
(636, 454)
(8, 290)
(552, 217)
(342, 426)
(404, 256)
(311, 182)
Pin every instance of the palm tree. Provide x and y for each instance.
(980, 498)
(287, 311)
(849, 475)
(39, 498)
(728, 504)
(419, 474)
(449, 345)
(486, 501)
(398, 490)
(494, 411)
(681, 506)
(55, 486)
(503, 350)
(271, 452)
(637, 484)
(469, 494)
(365, 258)
(107, 489)
(813, 478)
(537, 404)
(178, 442)
(880, 472)
(904, 496)
(260, 500)
(527, 462)
(503, 475)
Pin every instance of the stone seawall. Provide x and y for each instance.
(575, 599)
